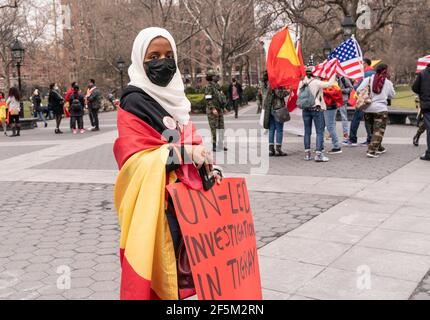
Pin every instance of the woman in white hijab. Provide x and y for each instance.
(154, 124)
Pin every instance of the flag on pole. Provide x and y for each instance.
(300, 56)
(346, 60)
(292, 101)
(327, 69)
(283, 64)
(423, 63)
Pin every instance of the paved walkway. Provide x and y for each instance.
(316, 224)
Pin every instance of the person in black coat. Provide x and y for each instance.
(56, 104)
(76, 109)
(235, 92)
(422, 88)
(37, 105)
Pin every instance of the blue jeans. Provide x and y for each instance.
(316, 117)
(330, 120)
(355, 124)
(278, 128)
(345, 123)
(41, 116)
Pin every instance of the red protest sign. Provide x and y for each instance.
(219, 235)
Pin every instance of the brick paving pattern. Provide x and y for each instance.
(44, 226)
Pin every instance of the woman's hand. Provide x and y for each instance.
(200, 156)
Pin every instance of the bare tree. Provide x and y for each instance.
(321, 20)
(231, 27)
(18, 22)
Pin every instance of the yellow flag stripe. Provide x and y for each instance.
(289, 52)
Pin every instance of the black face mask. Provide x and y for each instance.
(161, 71)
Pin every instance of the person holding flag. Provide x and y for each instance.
(284, 70)
(312, 102)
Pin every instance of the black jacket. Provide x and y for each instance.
(80, 112)
(137, 102)
(422, 88)
(55, 102)
(37, 103)
(239, 91)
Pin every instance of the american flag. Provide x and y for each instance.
(346, 60)
(422, 63)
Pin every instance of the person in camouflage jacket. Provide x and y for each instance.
(421, 123)
(215, 111)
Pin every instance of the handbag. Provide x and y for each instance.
(365, 98)
(281, 113)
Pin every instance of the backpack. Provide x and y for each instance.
(76, 104)
(14, 106)
(306, 99)
(364, 100)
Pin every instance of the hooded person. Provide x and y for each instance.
(157, 146)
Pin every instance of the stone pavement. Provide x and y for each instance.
(57, 217)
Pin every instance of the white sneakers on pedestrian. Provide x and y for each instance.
(320, 157)
(372, 155)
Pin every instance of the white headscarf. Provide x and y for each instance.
(172, 98)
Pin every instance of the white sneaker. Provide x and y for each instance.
(308, 155)
(373, 155)
(320, 157)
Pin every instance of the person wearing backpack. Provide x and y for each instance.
(76, 109)
(13, 104)
(381, 89)
(275, 100)
(311, 101)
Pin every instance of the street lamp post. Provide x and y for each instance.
(121, 66)
(327, 49)
(18, 53)
(349, 27)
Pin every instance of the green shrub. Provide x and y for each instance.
(250, 93)
(224, 89)
(198, 102)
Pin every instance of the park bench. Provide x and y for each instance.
(399, 116)
(396, 116)
(27, 123)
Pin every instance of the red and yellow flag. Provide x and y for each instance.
(283, 64)
(292, 101)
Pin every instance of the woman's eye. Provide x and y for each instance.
(170, 56)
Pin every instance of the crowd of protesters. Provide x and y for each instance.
(321, 100)
(70, 105)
